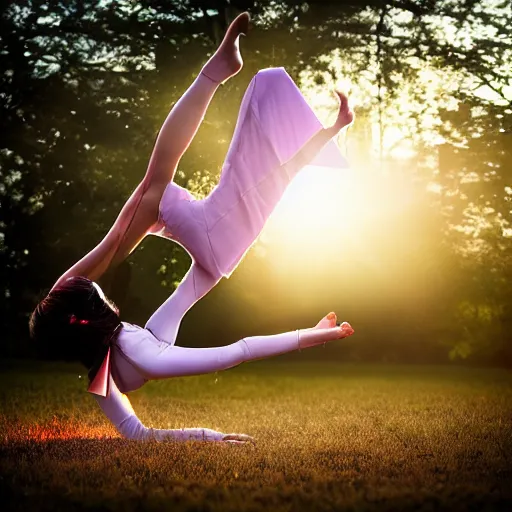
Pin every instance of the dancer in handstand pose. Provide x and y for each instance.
(276, 135)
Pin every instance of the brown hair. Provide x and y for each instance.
(74, 322)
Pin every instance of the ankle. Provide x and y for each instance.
(203, 73)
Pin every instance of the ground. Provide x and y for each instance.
(329, 437)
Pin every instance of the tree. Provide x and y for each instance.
(86, 85)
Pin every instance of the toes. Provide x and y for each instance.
(331, 317)
(345, 327)
(244, 19)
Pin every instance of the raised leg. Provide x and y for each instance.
(187, 114)
(276, 135)
(140, 214)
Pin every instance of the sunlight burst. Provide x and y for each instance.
(319, 202)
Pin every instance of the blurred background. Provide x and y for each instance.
(412, 244)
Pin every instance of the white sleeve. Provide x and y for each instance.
(119, 411)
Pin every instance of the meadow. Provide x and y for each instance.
(329, 437)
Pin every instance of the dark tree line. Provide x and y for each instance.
(85, 85)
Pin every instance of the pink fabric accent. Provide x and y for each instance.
(99, 385)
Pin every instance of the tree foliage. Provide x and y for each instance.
(85, 85)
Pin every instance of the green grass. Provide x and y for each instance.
(329, 437)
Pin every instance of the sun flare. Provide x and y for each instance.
(319, 202)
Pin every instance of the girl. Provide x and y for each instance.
(276, 135)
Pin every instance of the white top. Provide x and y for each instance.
(116, 405)
(139, 356)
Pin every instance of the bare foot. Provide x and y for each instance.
(345, 113)
(327, 321)
(325, 330)
(227, 60)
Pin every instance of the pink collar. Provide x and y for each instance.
(100, 384)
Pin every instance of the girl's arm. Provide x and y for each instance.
(181, 361)
(140, 213)
(136, 219)
(119, 411)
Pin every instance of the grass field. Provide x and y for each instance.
(329, 437)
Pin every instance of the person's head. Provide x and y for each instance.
(74, 322)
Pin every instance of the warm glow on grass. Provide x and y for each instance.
(56, 430)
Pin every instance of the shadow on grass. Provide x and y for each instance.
(121, 475)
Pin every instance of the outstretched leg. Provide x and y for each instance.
(156, 362)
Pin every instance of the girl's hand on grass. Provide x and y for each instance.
(238, 439)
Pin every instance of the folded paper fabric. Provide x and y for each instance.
(274, 122)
